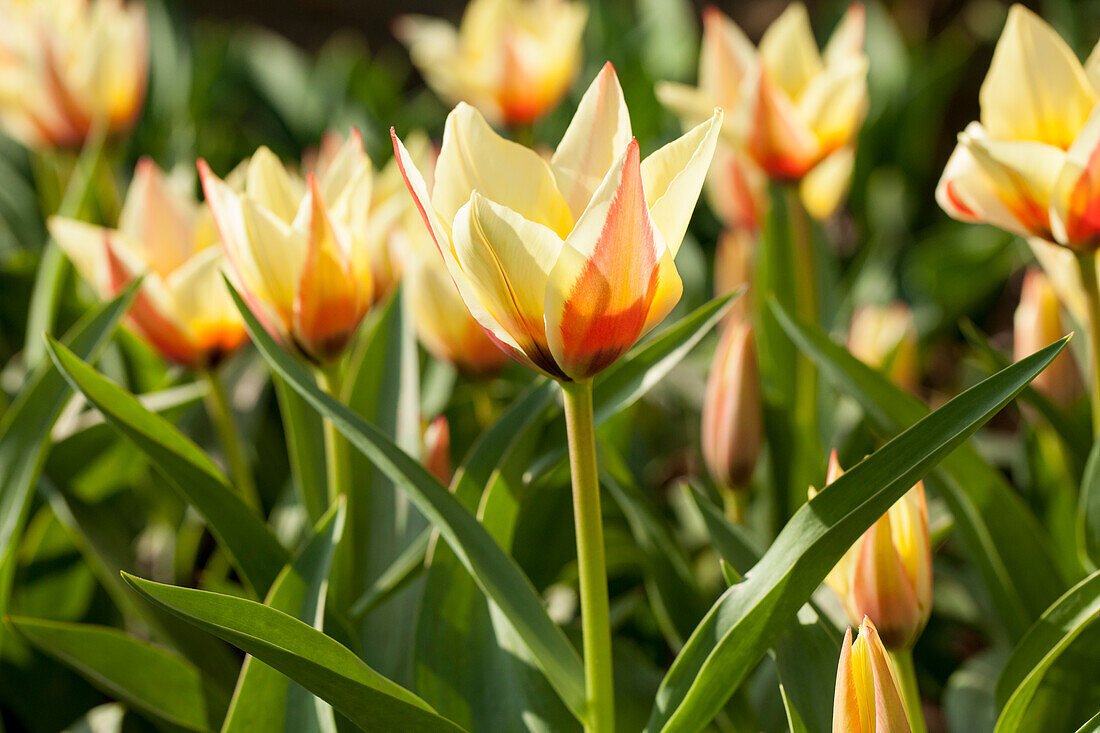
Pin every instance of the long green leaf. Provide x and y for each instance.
(1040, 648)
(1088, 513)
(151, 679)
(249, 543)
(305, 449)
(496, 573)
(751, 615)
(1092, 725)
(315, 661)
(1003, 538)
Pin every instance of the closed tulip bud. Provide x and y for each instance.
(165, 237)
(437, 448)
(298, 248)
(512, 59)
(885, 338)
(733, 414)
(887, 574)
(66, 65)
(1030, 165)
(1038, 323)
(868, 695)
(567, 264)
(733, 269)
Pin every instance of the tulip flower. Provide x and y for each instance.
(437, 449)
(887, 574)
(512, 59)
(793, 110)
(297, 248)
(167, 238)
(885, 338)
(565, 265)
(868, 696)
(733, 413)
(733, 269)
(68, 64)
(1037, 323)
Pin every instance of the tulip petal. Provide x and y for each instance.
(475, 158)
(789, 52)
(882, 589)
(824, 187)
(889, 709)
(691, 104)
(779, 139)
(848, 36)
(846, 703)
(726, 59)
(835, 103)
(673, 176)
(603, 285)
(1075, 203)
(269, 185)
(968, 194)
(157, 219)
(736, 189)
(202, 302)
(84, 244)
(596, 137)
(1036, 89)
(1092, 67)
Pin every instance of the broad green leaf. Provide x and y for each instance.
(315, 661)
(151, 679)
(1003, 538)
(250, 544)
(1088, 513)
(751, 615)
(1040, 648)
(404, 568)
(305, 448)
(968, 698)
(166, 401)
(1092, 725)
(265, 699)
(496, 573)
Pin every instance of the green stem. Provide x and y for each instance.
(907, 678)
(337, 457)
(220, 410)
(805, 270)
(1086, 264)
(592, 567)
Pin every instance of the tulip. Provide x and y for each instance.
(733, 269)
(512, 59)
(733, 414)
(565, 265)
(1037, 323)
(297, 248)
(165, 237)
(885, 338)
(887, 574)
(868, 698)
(66, 65)
(794, 111)
(437, 448)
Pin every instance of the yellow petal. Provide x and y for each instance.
(1092, 67)
(271, 187)
(202, 303)
(692, 105)
(1075, 202)
(157, 219)
(1036, 89)
(847, 39)
(824, 187)
(967, 193)
(726, 60)
(86, 246)
(789, 52)
(835, 102)
(779, 139)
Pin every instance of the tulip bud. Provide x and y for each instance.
(885, 338)
(733, 269)
(733, 420)
(1038, 323)
(868, 695)
(437, 448)
(887, 574)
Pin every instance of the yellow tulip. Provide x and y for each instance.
(868, 696)
(564, 264)
(1038, 323)
(512, 59)
(885, 338)
(166, 237)
(67, 64)
(1031, 165)
(793, 110)
(297, 248)
(733, 413)
(886, 575)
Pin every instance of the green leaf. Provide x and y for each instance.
(1092, 725)
(1003, 538)
(151, 679)
(1040, 648)
(250, 544)
(496, 573)
(401, 571)
(305, 448)
(1088, 514)
(265, 698)
(751, 615)
(315, 661)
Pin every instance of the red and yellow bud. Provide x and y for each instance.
(885, 337)
(733, 269)
(165, 237)
(68, 64)
(1031, 166)
(868, 697)
(1038, 323)
(298, 247)
(512, 59)
(733, 413)
(437, 449)
(886, 575)
(565, 264)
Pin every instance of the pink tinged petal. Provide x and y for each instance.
(737, 190)
(732, 416)
(1038, 322)
(889, 710)
(1075, 203)
(606, 280)
(882, 589)
(726, 59)
(594, 140)
(778, 139)
(848, 36)
(846, 702)
(156, 220)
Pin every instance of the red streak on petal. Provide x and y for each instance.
(1083, 218)
(957, 202)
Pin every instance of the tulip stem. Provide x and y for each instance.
(220, 410)
(337, 465)
(592, 567)
(1086, 263)
(907, 678)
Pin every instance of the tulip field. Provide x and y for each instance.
(549, 365)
